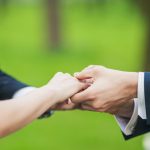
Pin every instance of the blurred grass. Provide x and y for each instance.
(110, 35)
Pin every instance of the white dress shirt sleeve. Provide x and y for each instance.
(141, 97)
(127, 125)
(27, 90)
(23, 91)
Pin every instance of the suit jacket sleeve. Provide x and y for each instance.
(140, 128)
(8, 86)
(143, 125)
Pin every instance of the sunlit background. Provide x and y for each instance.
(41, 37)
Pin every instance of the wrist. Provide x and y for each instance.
(50, 94)
(132, 84)
(127, 109)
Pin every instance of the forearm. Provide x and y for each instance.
(21, 111)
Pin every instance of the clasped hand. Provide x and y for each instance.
(96, 88)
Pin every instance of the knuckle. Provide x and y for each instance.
(59, 73)
(95, 68)
(98, 69)
(101, 67)
(91, 66)
(67, 75)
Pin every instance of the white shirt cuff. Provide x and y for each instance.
(141, 97)
(23, 91)
(127, 125)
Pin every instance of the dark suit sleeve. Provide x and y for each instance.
(147, 95)
(143, 126)
(140, 128)
(8, 86)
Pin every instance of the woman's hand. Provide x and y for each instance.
(65, 86)
(68, 104)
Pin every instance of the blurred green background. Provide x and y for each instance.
(109, 33)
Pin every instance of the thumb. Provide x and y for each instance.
(85, 74)
(92, 71)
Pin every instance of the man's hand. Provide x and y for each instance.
(112, 91)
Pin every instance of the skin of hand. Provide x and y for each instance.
(67, 104)
(65, 86)
(112, 91)
(18, 112)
